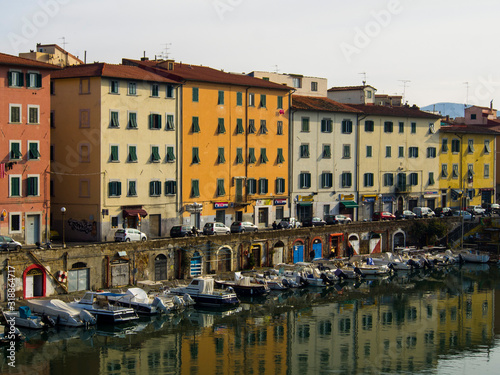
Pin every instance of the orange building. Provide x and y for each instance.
(234, 142)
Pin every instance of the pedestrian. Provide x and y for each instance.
(350, 251)
(311, 254)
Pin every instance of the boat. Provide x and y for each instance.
(97, 304)
(474, 256)
(144, 304)
(61, 312)
(24, 318)
(243, 286)
(201, 290)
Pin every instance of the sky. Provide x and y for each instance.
(430, 51)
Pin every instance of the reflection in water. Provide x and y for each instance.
(416, 323)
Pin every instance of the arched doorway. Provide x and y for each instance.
(278, 255)
(375, 243)
(317, 247)
(298, 251)
(224, 260)
(195, 269)
(256, 251)
(78, 277)
(34, 281)
(161, 267)
(399, 239)
(354, 242)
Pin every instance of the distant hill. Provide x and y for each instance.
(446, 109)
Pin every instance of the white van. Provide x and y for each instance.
(423, 212)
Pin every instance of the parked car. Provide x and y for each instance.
(423, 212)
(243, 226)
(384, 215)
(466, 215)
(215, 227)
(405, 215)
(181, 231)
(129, 234)
(337, 219)
(7, 243)
(443, 211)
(476, 210)
(313, 222)
(288, 223)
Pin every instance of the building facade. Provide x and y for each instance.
(302, 85)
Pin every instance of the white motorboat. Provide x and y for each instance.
(474, 256)
(201, 290)
(97, 304)
(24, 318)
(144, 304)
(61, 312)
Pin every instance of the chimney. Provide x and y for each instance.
(144, 58)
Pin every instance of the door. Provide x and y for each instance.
(34, 283)
(239, 190)
(160, 267)
(155, 225)
(336, 244)
(375, 244)
(196, 264)
(263, 217)
(318, 250)
(354, 241)
(278, 255)
(32, 229)
(298, 253)
(224, 261)
(239, 216)
(195, 220)
(78, 279)
(29, 286)
(119, 274)
(220, 216)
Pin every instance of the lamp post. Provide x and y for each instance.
(63, 211)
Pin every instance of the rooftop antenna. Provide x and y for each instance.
(405, 81)
(165, 53)
(64, 43)
(466, 94)
(364, 78)
(276, 70)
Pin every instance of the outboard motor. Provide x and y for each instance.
(391, 267)
(285, 283)
(87, 317)
(302, 281)
(188, 300)
(267, 275)
(413, 264)
(358, 272)
(158, 302)
(326, 279)
(48, 321)
(340, 274)
(230, 289)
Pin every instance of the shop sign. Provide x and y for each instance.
(279, 202)
(221, 205)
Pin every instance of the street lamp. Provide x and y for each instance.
(63, 211)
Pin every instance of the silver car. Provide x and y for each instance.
(7, 243)
(215, 227)
(129, 234)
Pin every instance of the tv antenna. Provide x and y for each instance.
(64, 43)
(276, 70)
(364, 78)
(405, 81)
(164, 54)
(466, 93)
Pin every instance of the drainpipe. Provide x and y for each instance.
(180, 152)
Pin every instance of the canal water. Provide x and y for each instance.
(437, 322)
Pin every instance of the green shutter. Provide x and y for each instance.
(196, 156)
(114, 153)
(195, 188)
(170, 154)
(32, 186)
(33, 151)
(263, 101)
(21, 79)
(280, 102)
(38, 80)
(263, 156)
(239, 156)
(132, 154)
(15, 153)
(151, 121)
(220, 127)
(196, 125)
(114, 120)
(9, 78)
(251, 126)
(132, 120)
(251, 155)
(131, 188)
(170, 122)
(263, 127)
(220, 158)
(281, 159)
(239, 126)
(195, 94)
(155, 153)
(220, 187)
(151, 188)
(220, 100)
(239, 98)
(15, 190)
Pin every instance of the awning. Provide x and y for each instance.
(305, 203)
(349, 204)
(456, 193)
(135, 212)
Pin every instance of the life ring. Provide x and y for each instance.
(62, 276)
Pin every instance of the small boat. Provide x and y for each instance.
(97, 304)
(201, 290)
(10, 333)
(24, 318)
(242, 286)
(474, 256)
(61, 312)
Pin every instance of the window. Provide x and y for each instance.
(33, 112)
(195, 125)
(15, 222)
(52, 153)
(413, 127)
(33, 80)
(220, 187)
(195, 94)
(155, 90)
(487, 148)
(486, 171)
(369, 151)
(401, 127)
(401, 152)
(444, 171)
(196, 157)
(327, 151)
(15, 79)
(263, 156)
(297, 82)
(431, 178)
(280, 102)
(263, 101)
(170, 154)
(170, 187)
(388, 151)
(346, 151)
(170, 91)
(304, 150)
(32, 186)
(85, 118)
(155, 154)
(221, 129)
(114, 221)
(388, 127)
(33, 153)
(326, 180)
(15, 150)
(132, 188)
(84, 85)
(413, 179)
(431, 152)
(280, 158)
(239, 126)
(239, 156)
(326, 125)
(305, 124)
(84, 150)
(263, 127)
(15, 113)
(132, 88)
(304, 180)
(280, 185)
(454, 173)
(455, 145)
(251, 100)
(154, 121)
(170, 123)
(346, 126)
(470, 146)
(251, 126)
(472, 116)
(279, 128)
(251, 186)
(113, 153)
(14, 185)
(113, 122)
(369, 126)
(239, 99)
(413, 152)
(368, 179)
(388, 179)
(154, 188)
(346, 179)
(113, 86)
(314, 86)
(220, 98)
(220, 156)
(132, 120)
(195, 188)
(251, 155)
(444, 145)
(263, 186)
(470, 173)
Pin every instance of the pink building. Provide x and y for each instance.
(25, 145)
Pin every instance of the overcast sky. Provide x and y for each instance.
(435, 46)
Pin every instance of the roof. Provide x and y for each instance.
(397, 111)
(60, 49)
(188, 72)
(21, 61)
(110, 70)
(469, 129)
(349, 88)
(317, 103)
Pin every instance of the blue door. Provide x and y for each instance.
(318, 250)
(196, 264)
(298, 253)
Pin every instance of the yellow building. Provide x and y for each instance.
(234, 144)
(52, 54)
(113, 151)
(467, 165)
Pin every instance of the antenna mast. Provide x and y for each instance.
(64, 43)
(466, 93)
(405, 81)
(164, 54)
(364, 78)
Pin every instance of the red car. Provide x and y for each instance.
(384, 215)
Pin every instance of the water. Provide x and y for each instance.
(441, 322)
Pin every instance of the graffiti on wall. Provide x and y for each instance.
(83, 226)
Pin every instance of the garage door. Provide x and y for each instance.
(119, 274)
(78, 279)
